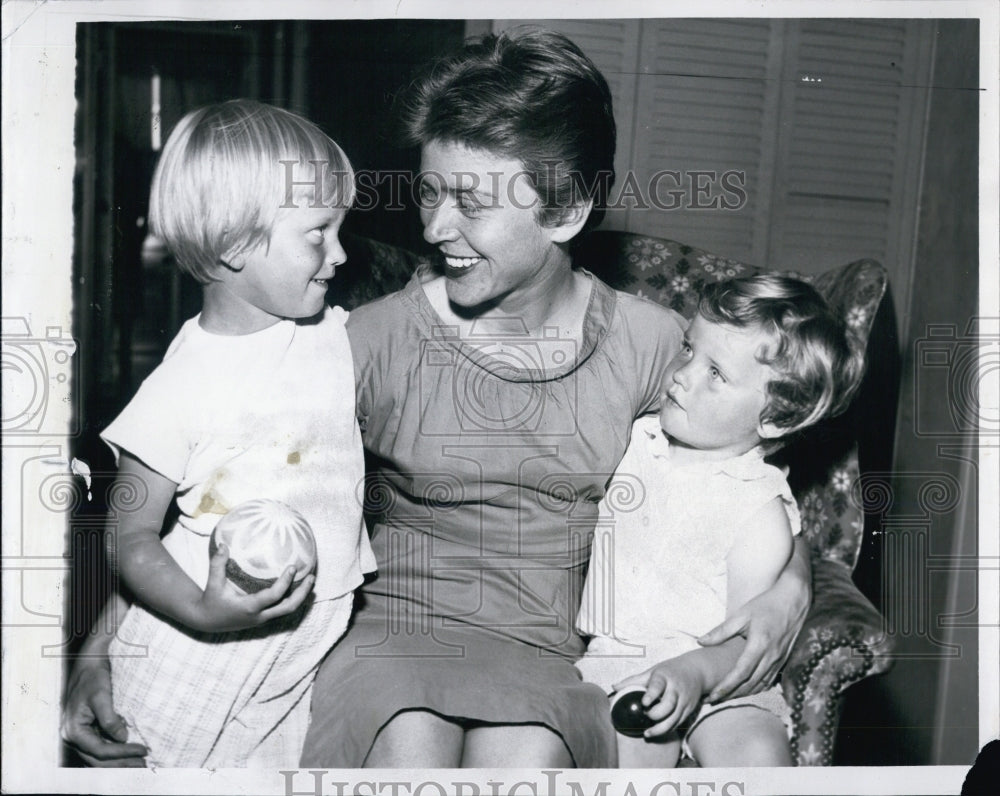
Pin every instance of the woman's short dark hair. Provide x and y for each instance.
(532, 96)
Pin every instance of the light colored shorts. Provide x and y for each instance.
(608, 661)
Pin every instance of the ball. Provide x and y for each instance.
(264, 538)
(628, 715)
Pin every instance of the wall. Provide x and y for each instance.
(929, 520)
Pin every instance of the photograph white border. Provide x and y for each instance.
(39, 63)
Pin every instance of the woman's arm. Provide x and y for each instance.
(770, 622)
(675, 687)
(89, 722)
(153, 576)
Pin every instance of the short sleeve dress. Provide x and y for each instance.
(485, 474)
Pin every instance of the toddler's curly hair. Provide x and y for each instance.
(818, 360)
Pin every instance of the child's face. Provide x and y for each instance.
(286, 277)
(715, 389)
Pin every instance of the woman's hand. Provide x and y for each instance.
(89, 722)
(673, 692)
(223, 607)
(770, 622)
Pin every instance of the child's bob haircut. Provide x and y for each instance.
(228, 169)
(819, 367)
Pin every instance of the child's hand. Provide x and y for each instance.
(223, 607)
(673, 692)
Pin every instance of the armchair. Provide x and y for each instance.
(842, 641)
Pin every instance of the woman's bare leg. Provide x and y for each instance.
(417, 739)
(514, 746)
(740, 737)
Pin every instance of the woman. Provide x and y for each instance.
(495, 397)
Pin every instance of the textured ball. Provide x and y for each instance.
(628, 715)
(264, 537)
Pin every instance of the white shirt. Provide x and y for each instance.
(657, 577)
(269, 414)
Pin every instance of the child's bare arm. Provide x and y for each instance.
(153, 576)
(674, 688)
(760, 553)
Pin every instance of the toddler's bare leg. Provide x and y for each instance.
(640, 753)
(417, 739)
(740, 737)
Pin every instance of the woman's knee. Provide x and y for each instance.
(417, 739)
(515, 746)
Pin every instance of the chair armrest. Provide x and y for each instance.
(843, 641)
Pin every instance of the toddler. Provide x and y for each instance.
(255, 398)
(711, 525)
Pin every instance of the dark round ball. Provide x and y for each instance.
(628, 715)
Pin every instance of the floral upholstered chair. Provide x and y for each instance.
(843, 639)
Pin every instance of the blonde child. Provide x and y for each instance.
(711, 524)
(254, 399)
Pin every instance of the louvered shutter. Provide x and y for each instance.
(818, 124)
(704, 95)
(850, 143)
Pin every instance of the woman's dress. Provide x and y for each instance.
(485, 473)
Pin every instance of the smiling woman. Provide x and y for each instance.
(495, 398)
(499, 261)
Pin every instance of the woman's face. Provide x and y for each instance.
(481, 210)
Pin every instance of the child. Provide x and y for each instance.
(711, 525)
(254, 399)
